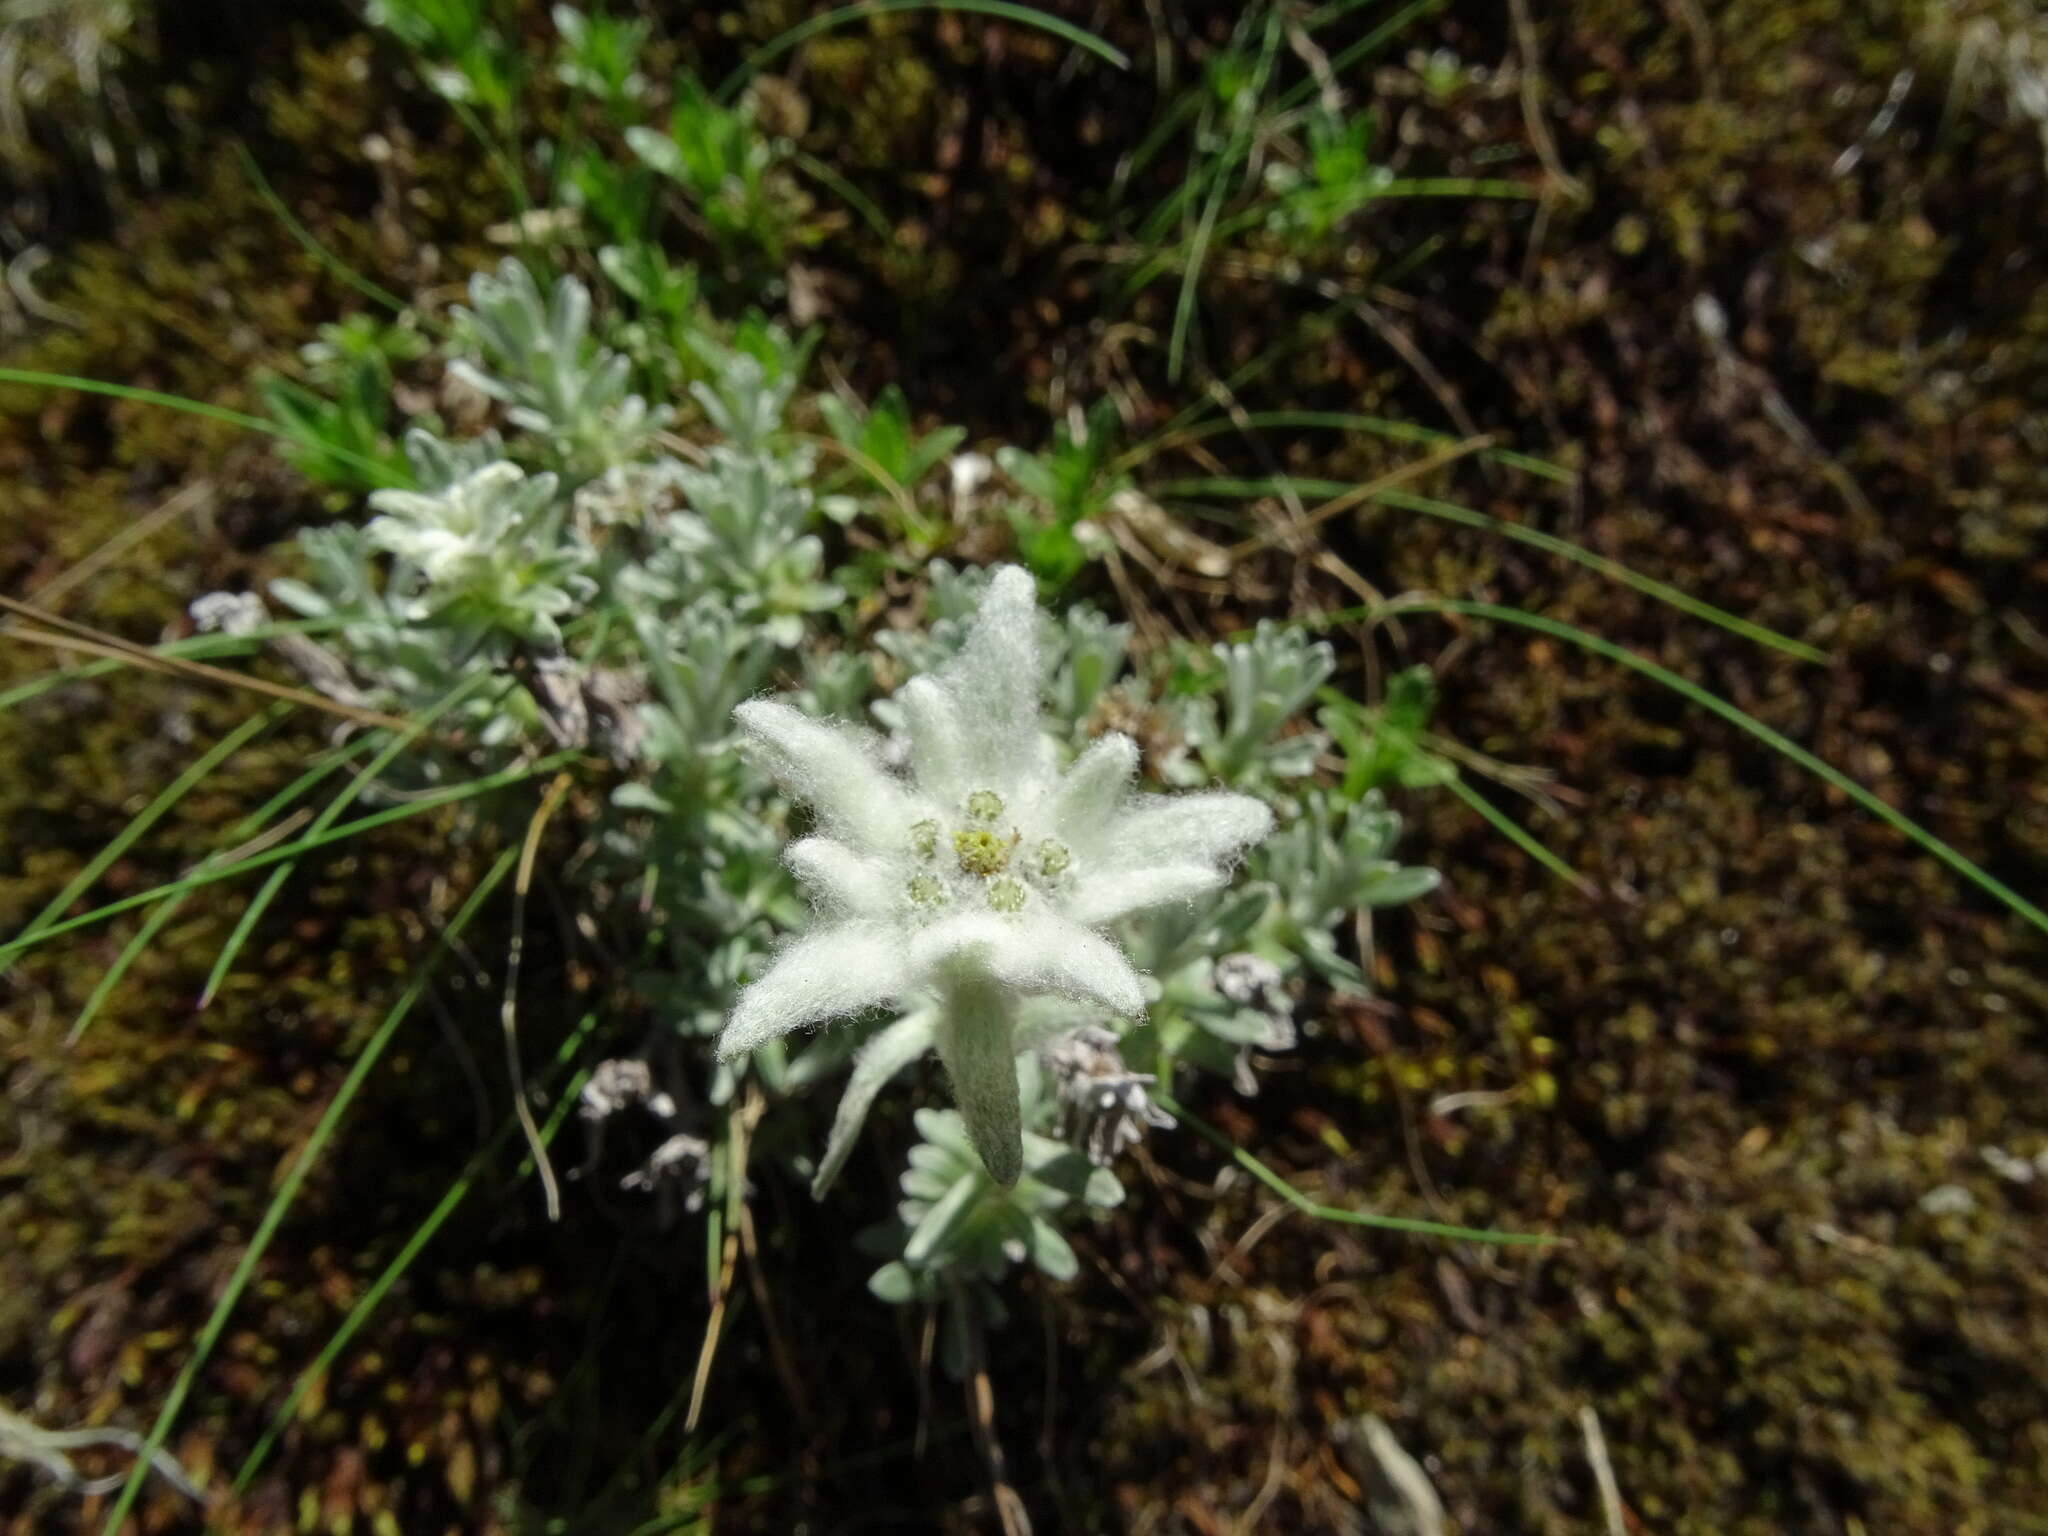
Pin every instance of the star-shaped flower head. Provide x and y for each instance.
(985, 875)
(487, 548)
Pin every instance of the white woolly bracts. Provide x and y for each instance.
(984, 875)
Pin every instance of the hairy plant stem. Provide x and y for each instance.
(976, 1039)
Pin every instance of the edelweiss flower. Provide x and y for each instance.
(452, 535)
(985, 876)
(488, 548)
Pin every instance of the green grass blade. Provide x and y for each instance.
(1320, 1212)
(288, 1190)
(35, 687)
(1826, 772)
(1171, 210)
(1417, 256)
(130, 953)
(847, 193)
(1323, 15)
(1169, 122)
(503, 161)
(150, 814)
(1313, 331)
(422, 1235)
(1614, 570)
(275, 882)
(1344, 205)
(1234, 150)
(1454, 186)
(309, 243)
(1190, 277)
(1345, 421)
(195, 647)
(244, 926)
(381, 474)
(1343, 60)
(1519, 835)
(160, 915)
(428, 802)
(804, 31)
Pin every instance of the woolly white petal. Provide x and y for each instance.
(995, 679)
(1183, 829)
(409, 505)
(1091, 790)
(828, 972)
(1050, 954)
(844, 883)
(951, 941)
(940, 753)
(879, 1060)
(830, 767)
(1103, 898)
(1031, 952)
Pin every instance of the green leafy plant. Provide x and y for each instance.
(338, 423)
(1070, 485)
(1266, 681)
(734, 177)
(600, 55)
(957, 1231)
(469, 58)
(1271, 159)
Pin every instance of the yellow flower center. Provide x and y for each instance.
(982, 852)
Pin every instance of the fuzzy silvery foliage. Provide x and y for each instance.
(636, 597)
(956, 1218)
(964, 868)
(957, 1230)
(1267, 680)
(1091, 653)
(1335, 857)
(952, 595)
(487, 551)
(751, 510)
(986, 875)
(539, 358)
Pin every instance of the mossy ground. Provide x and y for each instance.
(1730, 1079)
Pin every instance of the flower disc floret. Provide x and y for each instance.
(981, 852)
(1006, 895)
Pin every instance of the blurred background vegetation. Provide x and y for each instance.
(1764, 277)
